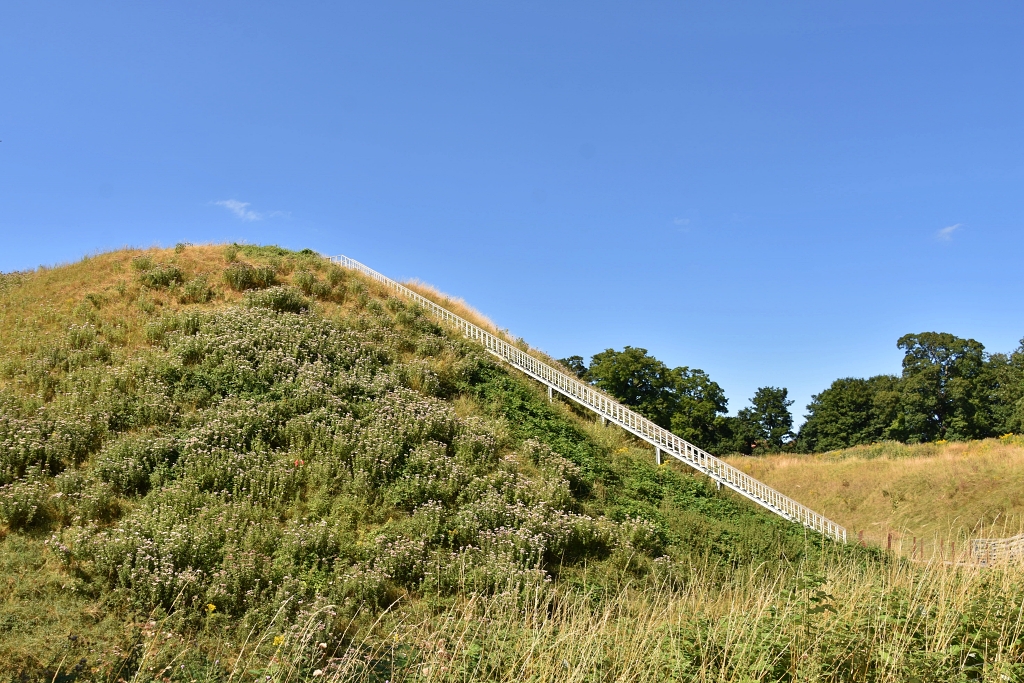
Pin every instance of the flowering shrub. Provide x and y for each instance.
(241, 276)
(313, 286)
(161, 276)
(81, 336)
(128, 464)
(196, 291)
(280, 299)
(24, 503)
(45, 439)
(255, 458)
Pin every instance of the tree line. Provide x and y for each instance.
(949, 389)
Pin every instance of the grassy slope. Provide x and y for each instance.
(46, 361)
(671, 579)
(938, 492)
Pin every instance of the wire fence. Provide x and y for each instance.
(990, 551)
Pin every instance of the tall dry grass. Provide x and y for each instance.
(105, 290)
(844, 621)
(103, 287)
(941, 494)
(459, 307)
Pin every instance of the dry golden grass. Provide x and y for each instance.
(939, 493)
(462, 309)
(456, 305)
(37, 307)
(104, 286)
(878, 622)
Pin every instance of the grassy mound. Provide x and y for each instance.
(244, 463)
(941, 493)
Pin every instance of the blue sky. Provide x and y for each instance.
(771, 192)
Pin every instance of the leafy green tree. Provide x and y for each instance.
(944, 392)
(1006, 384)
(700, 406)
(740, 433)
(765, 425)
(638, 380)
(576, 365)
(681, 399)
(852, 411)
(770, 413)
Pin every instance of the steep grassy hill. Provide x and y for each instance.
(243, 463)
(942, 494)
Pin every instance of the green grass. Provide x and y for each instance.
(242, 463)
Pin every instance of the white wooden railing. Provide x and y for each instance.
(612, 411)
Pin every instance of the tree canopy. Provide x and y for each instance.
(943, 387)
(950, 388)
(852, 411)
(682, 399)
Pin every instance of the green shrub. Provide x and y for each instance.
(128, 464)
(156, 332)
(323, 291)
(97, 300)
(311, 285)
(142, 263)
(305, 280)
(161, 276)
(24, 504)
(46, 442)
(81, 499)
(196, 291)
(241, 276)
(280, 299)
(81, 336)
(335, 274)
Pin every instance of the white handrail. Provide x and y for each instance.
(611, 410)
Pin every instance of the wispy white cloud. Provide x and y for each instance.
(240, 209)
(946, 234)
(681, 221)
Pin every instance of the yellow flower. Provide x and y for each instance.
(210, 608)
(278, 640)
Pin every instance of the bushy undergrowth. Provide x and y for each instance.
(242, 276)
(258, 456)
(287, 479)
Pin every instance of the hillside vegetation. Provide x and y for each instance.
(940, 493)
(244, 463)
